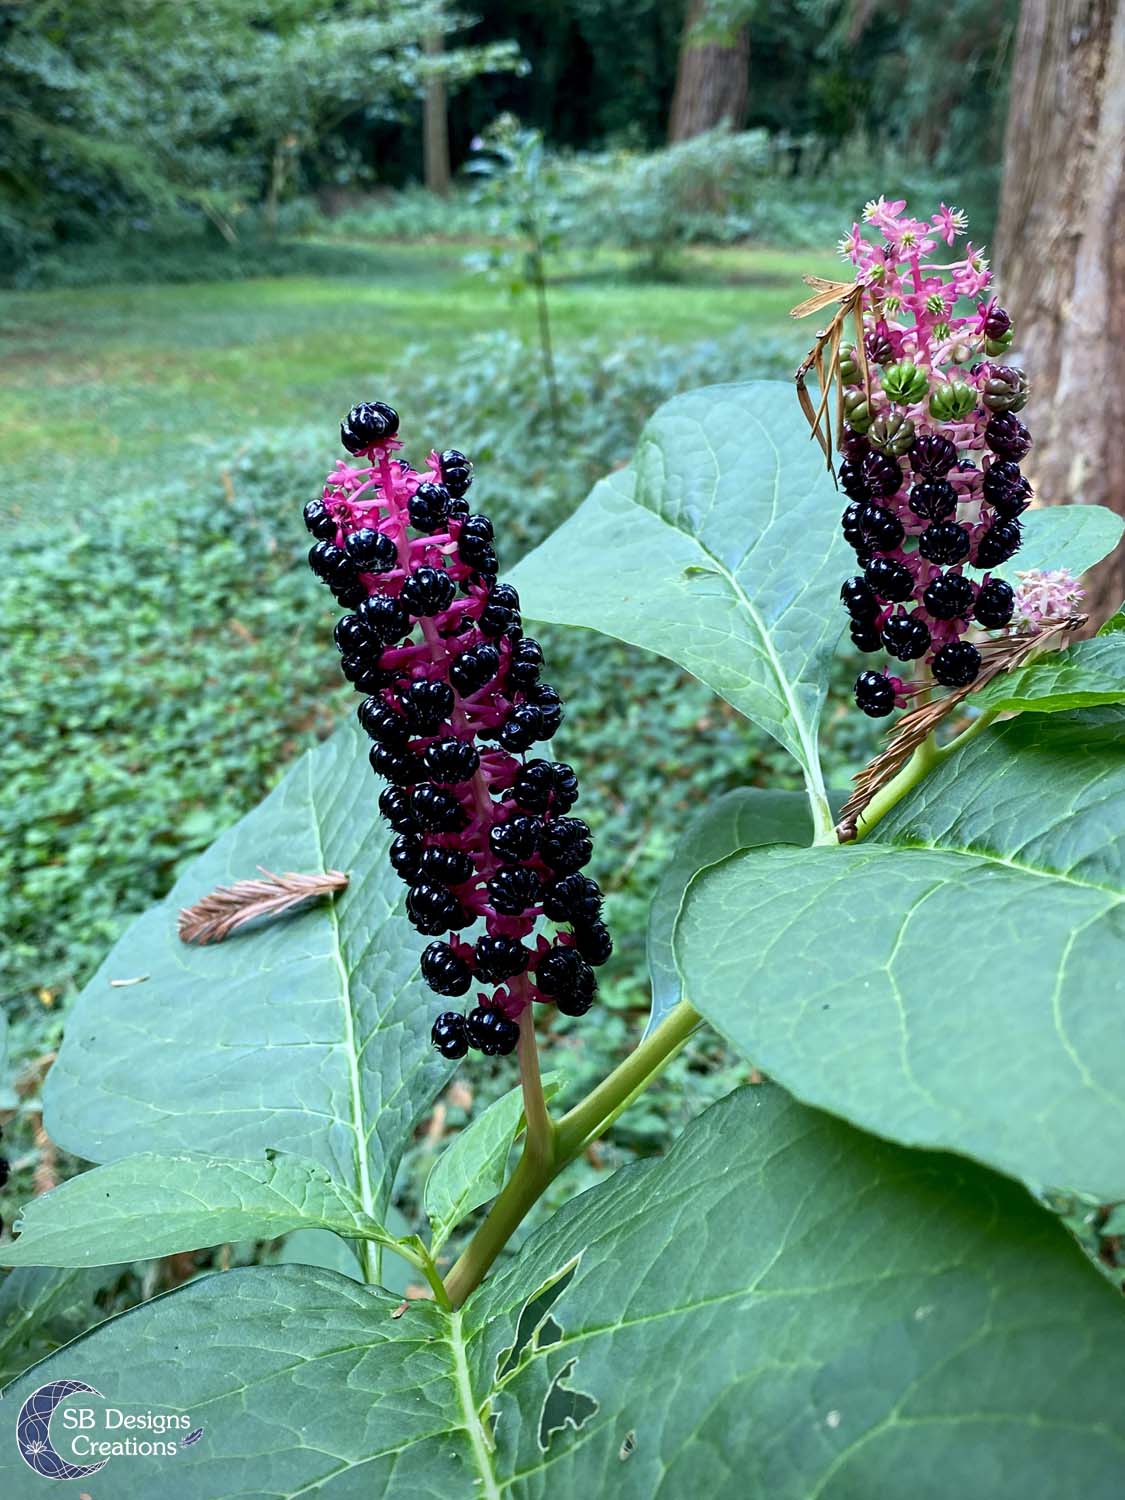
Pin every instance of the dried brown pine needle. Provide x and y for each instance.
(823, 356)
(998, 656)
(229, 907)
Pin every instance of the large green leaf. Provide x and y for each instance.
(1074, 537)
(782, 1307)
(740, 819)
(308, 1035)
(143, 1206)
(1085, 674)
(472, 1168)
(719, 548)
(957, 980)
(41, 1309)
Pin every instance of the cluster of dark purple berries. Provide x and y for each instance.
(931, 468)
(454, 701)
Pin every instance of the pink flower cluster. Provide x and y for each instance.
(931, 445)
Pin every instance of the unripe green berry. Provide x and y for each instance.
(857, 411)
(953, 401)
(847, 365)
(1007, 391)
(995, 347)
(905, 383)
(892, 434)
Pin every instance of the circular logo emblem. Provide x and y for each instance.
(33, 1431)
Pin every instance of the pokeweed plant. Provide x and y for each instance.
(832, 1275)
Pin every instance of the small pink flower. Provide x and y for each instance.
(950, 222)
(1049, 595)
(883, 214)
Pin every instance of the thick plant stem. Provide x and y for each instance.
(539, 1141)
(568, 1139)
(925, 759)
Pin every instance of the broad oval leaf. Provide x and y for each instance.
(472, 1168)
(742, 819)
(719, 548)
(143, 1206)
(957, 980)
(782, 1306)
(1086, 674)
(1074, 537)
(308, 1035)
(41, 1309)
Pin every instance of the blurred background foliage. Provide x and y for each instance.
(222, 222)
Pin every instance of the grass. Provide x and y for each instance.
(118, 375)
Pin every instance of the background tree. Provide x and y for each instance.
(1062, 252)
(712, 76)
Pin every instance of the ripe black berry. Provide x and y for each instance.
(444, 971)
(437, 810)
(514, 889)
(405, 855)
(865, 635)
(319, 521)
(997, 323)
(331, 563)
(564, 973)
(427, 705)
(542, 783)
(501, 614)
(875, 694)
(565, 845)
(593, 942)
(372, 551)
(451, 760)
(491, 1032)
(523, 726)
(932, 456)
(396, 806)
(853, 532)
(498, 958)
(450, 1033)
(433, 909)
(428, 591)
(550, 707)
(944, 542)
(574, 1005)
(906, 637)
(456, 472)
(853, 444)
(445, 866)
(574, 898)
(956, 665)
(364, 672)
(473, 668)
(948, 597)
(933, 499)
(1007, 436)
(853, 481)
(400, 766)
(428, 507)
(998, 543)
(880, 528)
(474, 544)
(996, 602)
(367, 424)
(859, 599)
(381, 722)
(515, 840)
(1006, 490)
(384, 618)
(351, 634)
(892, 581)
(882, 475)
(525, 663)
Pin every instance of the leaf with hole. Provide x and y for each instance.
(842, 1313)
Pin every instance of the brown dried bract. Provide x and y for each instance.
(998, 656)
(824, 353)
(229, 907)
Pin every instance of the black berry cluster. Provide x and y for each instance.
(454, 702)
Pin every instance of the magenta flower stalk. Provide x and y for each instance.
(454, 700)
(932, 445)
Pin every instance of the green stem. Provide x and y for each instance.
(924, 760)
(574, 1132)
(539, 1141)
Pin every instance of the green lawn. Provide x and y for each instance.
(115, 375)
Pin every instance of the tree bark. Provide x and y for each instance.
(712, 79)
(435, 125)
(1061, 254)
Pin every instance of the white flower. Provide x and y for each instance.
(1045, 596)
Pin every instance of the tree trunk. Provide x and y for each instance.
(1061, 253)
(435, 125)
(712, 79)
